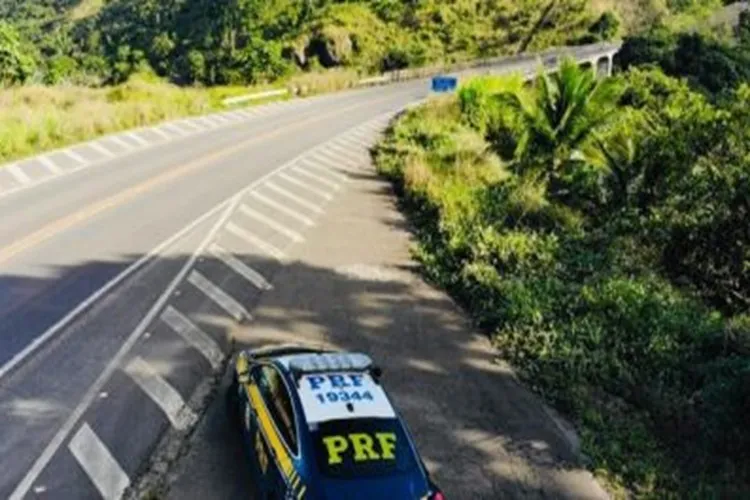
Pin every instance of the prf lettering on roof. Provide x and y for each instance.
(335, 381)
(363, 447)
(332, 396)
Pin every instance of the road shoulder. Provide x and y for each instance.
(353, 285)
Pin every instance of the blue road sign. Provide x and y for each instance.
(444, 84)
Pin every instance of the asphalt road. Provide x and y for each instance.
(123, 285)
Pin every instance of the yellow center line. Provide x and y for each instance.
(64, 223)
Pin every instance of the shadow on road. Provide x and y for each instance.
(481, 434)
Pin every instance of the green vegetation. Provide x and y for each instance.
(251, 41)
(74, 69)
(598, 230)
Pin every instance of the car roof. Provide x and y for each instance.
(334, 386)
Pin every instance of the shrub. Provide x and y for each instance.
(604, 297)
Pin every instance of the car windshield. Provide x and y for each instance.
(363, 447)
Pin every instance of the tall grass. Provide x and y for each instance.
(39, 118)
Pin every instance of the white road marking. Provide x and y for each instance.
(283, 209)
(292, 235)
(18, 173)
(255, 241)
(208, 122)
(317, 178)
(215, 121)
(283, 192)
(181, 126)
(336, 161)
(51, 165)
(120, 142)
(98, 147)
(240, 267)
(326, 169)
(162, 393)
(137, 138)
(194, 336)
(222, 119)
(192, 124)
(158, 131)
(351, 141)
(98, 463)
(75, 156)
(355, 157)
(219, 296)
(175, 128)
(23, 354)
(92, 393)
(95, 389)
(299, 183)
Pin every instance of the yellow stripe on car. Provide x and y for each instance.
(280, 452)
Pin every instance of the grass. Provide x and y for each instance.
(40, 118)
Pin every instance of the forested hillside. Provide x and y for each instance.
(249, 41)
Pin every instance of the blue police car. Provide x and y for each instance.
(318, 425)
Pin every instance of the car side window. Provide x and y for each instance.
(279, 403)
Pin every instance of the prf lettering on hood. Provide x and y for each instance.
(361, 447)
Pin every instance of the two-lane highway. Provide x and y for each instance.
(63, 241)
(127, 264)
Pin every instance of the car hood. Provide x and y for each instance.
(405, 486)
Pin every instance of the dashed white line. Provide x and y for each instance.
(137, 138)
(162, 393)
(158, 131)
(282, 208)
(120, 142)
(18, 173)
(352, 141)
(192, 124)
(219, 296)
(253, 214)
(340, 164)
(215, 121)
(93, 391)
(222, 119)
(98, 147)
(98, 463)
(255, 241)
(302, 202)
(175, 128)
(207, 122)
(317, 178)
(356, 158)
(235, 115)
(75, 156)
(299, 183)
(51, 165)
(240, 267)
(326, 169)
(194, 336)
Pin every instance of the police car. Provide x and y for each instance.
(318, 425)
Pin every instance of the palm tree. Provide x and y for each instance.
(560, 118)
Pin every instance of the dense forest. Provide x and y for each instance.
(597, 229)
(211, 42)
